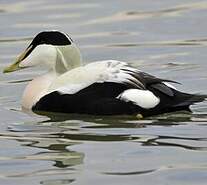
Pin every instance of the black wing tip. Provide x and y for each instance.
(198, 98)
(171, 81)
(192, 99)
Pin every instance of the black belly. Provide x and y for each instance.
(97, 99)
(84, 105)
(101, 99)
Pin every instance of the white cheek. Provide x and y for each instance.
(41, 55)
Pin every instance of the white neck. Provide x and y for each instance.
(67, 58)
(36, 89)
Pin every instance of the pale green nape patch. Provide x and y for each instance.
(68, 57)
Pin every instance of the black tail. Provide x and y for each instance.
(185, 100)
(174, 101)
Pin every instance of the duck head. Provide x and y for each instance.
(53, 50)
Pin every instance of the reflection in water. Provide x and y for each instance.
(48, 172)
(57, 182)
(119, 121)
(57, 139)
(156, 142)
(90, 137)
(55, 149)
(59, 149)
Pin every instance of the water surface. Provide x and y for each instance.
(165, 38)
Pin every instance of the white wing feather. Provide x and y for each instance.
(143, 98)
(84, 76)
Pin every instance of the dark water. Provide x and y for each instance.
(166, 38)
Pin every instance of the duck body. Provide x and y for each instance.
(107, 87)
(112, 88)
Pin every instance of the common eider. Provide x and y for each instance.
(106, 87)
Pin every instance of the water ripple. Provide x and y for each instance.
(136, 15)
(130, 173)
(16, 39)
(166, 38)
(194, 42)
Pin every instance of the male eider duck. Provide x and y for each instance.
(107, 87)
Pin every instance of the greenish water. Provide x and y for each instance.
(165, 38)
